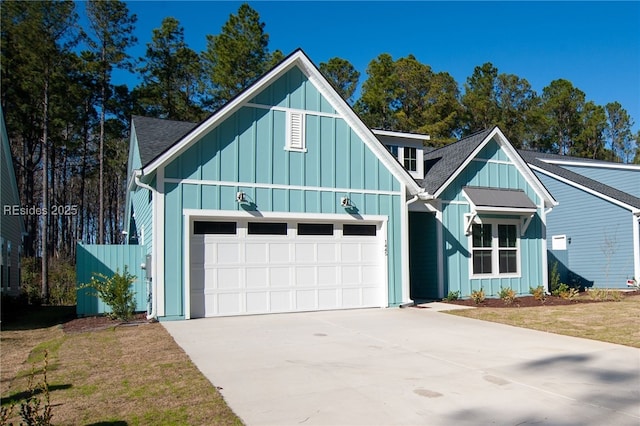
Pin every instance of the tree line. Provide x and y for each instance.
(68, 122)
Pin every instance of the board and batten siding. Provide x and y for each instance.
(490, 168)
(595, 227)
(247, 153)
(623, 178)
(107, 259)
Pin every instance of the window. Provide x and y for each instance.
(494, 249)
(315, 229)
(393, 149)
(228, 228)
(267, 228)
(295, 131)
(359, 230)
(410, 159)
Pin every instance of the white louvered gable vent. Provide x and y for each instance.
(295, 131)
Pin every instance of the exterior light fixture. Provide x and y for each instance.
(345, 202)
(240, 197)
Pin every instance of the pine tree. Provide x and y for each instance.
(237, 56)
(342, 75)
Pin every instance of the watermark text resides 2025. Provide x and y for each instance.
(55, 210)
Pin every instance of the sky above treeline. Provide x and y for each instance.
(595, 45)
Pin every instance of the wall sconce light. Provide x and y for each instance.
(345, 202)
(240, 197)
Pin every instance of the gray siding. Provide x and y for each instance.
(626, 180)
(595, 227)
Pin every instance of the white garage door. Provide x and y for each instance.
(256, 266)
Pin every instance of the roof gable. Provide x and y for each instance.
(296, 60)
(443, 165)
(154, 135)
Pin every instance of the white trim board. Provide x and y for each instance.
(280, 186)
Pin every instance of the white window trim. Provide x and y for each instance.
(495, 249)
(292, 143)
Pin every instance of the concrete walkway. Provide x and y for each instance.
(407, 367)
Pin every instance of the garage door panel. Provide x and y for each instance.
(308, 268)
(327, 275)
(327, 252)
(227, 253)
(305, 276)
(257, 252)
(257, 277)
(278, 253)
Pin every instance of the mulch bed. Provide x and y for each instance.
(530, 301)
(101, 322)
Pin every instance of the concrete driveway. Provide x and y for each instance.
(409, 366)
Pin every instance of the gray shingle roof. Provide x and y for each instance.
(535, 159)
(156, 135)
(442, 163)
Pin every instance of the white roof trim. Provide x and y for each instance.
(300, 60)
(520, 164)
(401, 134)
(601, 165)
(588, 190)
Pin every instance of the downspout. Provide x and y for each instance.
(137, 174)
(636, 245)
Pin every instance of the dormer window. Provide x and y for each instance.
(410, 159)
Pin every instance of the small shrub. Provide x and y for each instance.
(478, 296)
(116, 292)
(453, 295)
(36, 410)
(30, 281)
(538, 293)
(569, 293)
(554, 278)
(560, 289)
(616, 296)
(598, 294)
(507, 294)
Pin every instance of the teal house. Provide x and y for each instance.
(284, 200)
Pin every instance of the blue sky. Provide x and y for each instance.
(595, 45)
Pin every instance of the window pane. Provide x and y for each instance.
(393, 149)
(481, 235)
(267, 228)
(410, 156)
(315, 229)
(214, 227)
(366, 230)
(507, 235)
(508, 261)
(481, 262)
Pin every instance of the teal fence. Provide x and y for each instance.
(107, 260)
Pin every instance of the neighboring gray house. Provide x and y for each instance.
(11, 223)
(594, 233)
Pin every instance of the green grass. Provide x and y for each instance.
(613, 322)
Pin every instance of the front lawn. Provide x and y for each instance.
(123, 374)
(614, 322)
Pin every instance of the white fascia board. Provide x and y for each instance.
(514, 210)
(585, 189)
(597, 165)
(393, 134)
